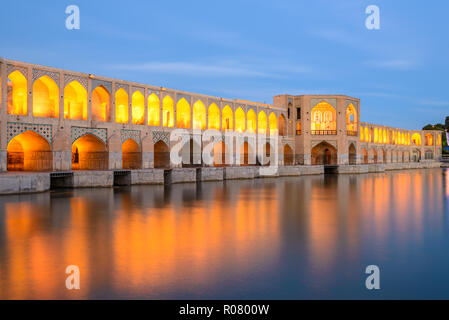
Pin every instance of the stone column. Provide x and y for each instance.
(61, 99)
(130, 101)
(30, 91)
(145, 106)
(89, 101)
(161, 110)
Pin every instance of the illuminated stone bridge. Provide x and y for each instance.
(59, 120)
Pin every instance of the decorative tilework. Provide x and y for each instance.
(70, 77)
(15, 128)
(37, 73)
(11, 68)
(78, 132)
(180, 96)
(123, 86)
(331, 142)
(106, 84)
(315, 101)
(354, 103)
(140, 89)
(130, 134)
(161, 136)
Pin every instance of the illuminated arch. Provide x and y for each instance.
(100, 104)
(351, 118)
(416, 139)
(439, 140)
(366, 134)
(282, 125)
(168, 112)
(227, 118)
(28, 151)
(323, 117)
(251, 121)
(429, 139)
(362, 135)
(45, 98)
(121, 106)
(376, 135)
(323, 154)
(214, 117)
(89, 153)
(273, 123)
(219, 154)
(17, 93)
(199, 115)
(131, 155)
(138, 108)
(352, 154)
(240, 120)
(262, 123)
(161, 155)
(75, 101)
(153, 110)
(183, 114)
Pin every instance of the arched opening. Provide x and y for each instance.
(362, 135)
(367, 138)
(214, 117)
(282, 125)
(161, 155)
(153, 110)
(168, 113)
(191, 154)
(219, 153)
(416, 155)
(352, 154)
(324, 119)
(429, 139)
(376, 135)
(138, 108)
(246, 154)
(374, 156)
(45, 98)
(288, 155)
(199, 115)
(240, 120)
(439, 140)
(262, 123)
(416, 138)
(89, 153)
(324, 154)
(100, 104)
(251, 121)
(17, 93)
(75, 101)
(183, 114)
(428, 155)
(403, 156)
(227, 118)
(351, 119)
(267, 154)
(365, 156)
(384, 156)
(29, 151)
(131, 155)
(121, 106)
(273, 123)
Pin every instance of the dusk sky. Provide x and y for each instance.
(251, 50)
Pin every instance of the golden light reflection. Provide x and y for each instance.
(121, 106)
(45, 98)
(138, 107)
(17, 93)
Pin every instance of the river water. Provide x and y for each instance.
(276, 238)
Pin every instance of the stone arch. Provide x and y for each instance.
(191, 153)
(183, 114)
(246, 154)
(323, 118)
(45, 98)
(219, 154)
(351, 118)
(29, 151)
(75, 101)
(168, 112)
(17, 93)
(365, 156)
(251, 121)
(352, 154)
(199, 115)
(137, 108)
(288, 155)
(227, 117)
(101, 100)
(282, 125)
(428, 139)
(213, 117)
(121, 106)
(324, 153)
(374, 155)
(131, 155)
(161, 155)
(89, 153)
(262, 123)
(273, 124)
(153, 110)
(240, 122)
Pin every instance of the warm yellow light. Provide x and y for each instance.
(251, 121)
(228, 118)
(17, 93)
(323, 117)
(240, 120)
(45, 98)
(183, 114)
(199, 115)
(168, 113)
(351, 118)
(75, 101)
(100, 104)
(273, 122)
(361, 133)
(121, 106)
(153, 110)
(214, 117)
(138, 107)
(262, 123)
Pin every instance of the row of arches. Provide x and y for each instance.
(28, 151)
(389, 156)
(75, 97)
(324, 119)
(396, 137)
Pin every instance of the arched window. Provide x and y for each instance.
(262, 123)
(45, 98)
(240, 120)
(75, 101)
(282, 125)
(351, 118)
(251, 121)
(429, 139)
(100, 104)
(17, 94)
(214, 117)
(153, 110)
(183, 114)
(323, 115)
(168, 114)
(199, 115)
(416, 138)
(121, 106)
(228, 118)
(138, 108)
(273, 122)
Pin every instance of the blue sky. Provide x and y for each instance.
(251, 49)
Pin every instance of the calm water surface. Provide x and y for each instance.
(289, 238)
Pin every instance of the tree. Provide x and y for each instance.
(446, 124)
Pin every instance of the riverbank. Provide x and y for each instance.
(31, 182)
